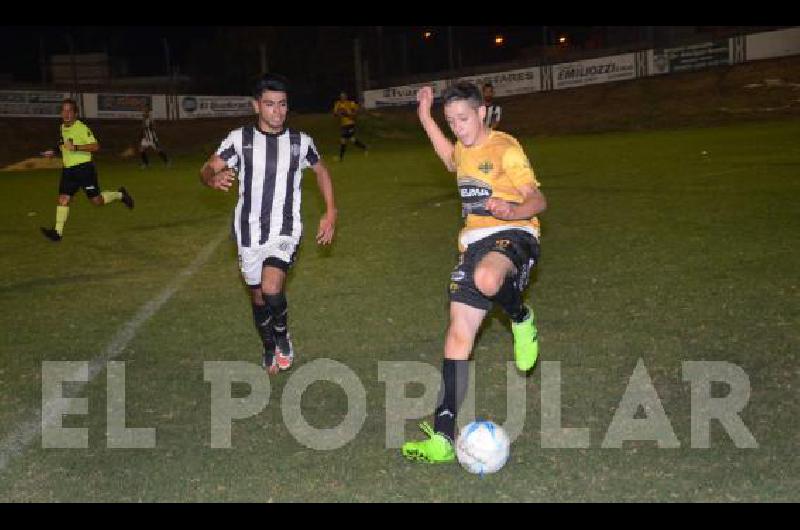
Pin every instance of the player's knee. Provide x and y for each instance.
(63, 200)
(487, 281)
(98, 200)
(271, 286)
(257, 295)
(458, 342)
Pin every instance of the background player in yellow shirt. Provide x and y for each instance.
(346, 110)
(499, 245)
(77, 143)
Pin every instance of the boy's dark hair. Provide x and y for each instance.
(488, 84)
(271, 82)
(463, 90)
(72, 103)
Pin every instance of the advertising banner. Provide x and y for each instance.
(592, 71)
(33, 104)
(522, 81)
(400, 95)
(689, 58)
(214, 106)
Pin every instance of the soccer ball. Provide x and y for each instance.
(482, 447)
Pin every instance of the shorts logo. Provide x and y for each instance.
(502, 243)
(453, 287)
(457, 276)
(486, 167)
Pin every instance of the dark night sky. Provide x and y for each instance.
(142, 47)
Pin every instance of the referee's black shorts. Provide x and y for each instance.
(77, 177)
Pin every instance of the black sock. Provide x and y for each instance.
(163, 156)
(359, 144)
(263, 322)
(278, 308)
(510, 299)
(455, 379)
(144, 158)
(341, 151)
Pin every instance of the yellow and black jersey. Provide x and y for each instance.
(497, 167)
(346, 111)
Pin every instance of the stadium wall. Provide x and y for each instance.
(559, 76)
(734, 50)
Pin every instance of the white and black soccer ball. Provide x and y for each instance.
(482, 447)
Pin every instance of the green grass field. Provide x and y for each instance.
(651, 251)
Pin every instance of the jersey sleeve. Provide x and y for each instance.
(227, 150)
(86, 136)
(311, 156)
(518, 168)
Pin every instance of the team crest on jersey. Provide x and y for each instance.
(486, 167)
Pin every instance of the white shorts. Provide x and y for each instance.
(149, 143)
(281, 251)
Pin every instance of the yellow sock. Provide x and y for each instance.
(61, 217)
(111, 196)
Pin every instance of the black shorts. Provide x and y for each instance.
(348, 131)
(519, 246)
(77, 177)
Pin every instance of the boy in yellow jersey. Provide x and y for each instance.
(346, 111)
(77, 144)
(499, 245)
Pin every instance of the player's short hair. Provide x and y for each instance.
(463, 91)
(71, 102)
(271, 82)
(488, 84)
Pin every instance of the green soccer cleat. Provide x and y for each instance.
(436, 449)
(526, 342)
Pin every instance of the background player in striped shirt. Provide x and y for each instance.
(493, 110)
(499, 245)
(269, 160)
(346, 110)
(150, 140)
(76, 144)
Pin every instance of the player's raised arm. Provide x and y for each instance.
(443, 147)
(327, 224)
(216, 174)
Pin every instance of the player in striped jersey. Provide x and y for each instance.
(269, 159)
(493, 110)
(150, 140)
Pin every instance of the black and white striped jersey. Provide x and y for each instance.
(269, 167)
(493, 112)
(148, 131)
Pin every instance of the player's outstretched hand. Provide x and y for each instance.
(425, 100)
(500, 209)
(327, 226)
(223, 179)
